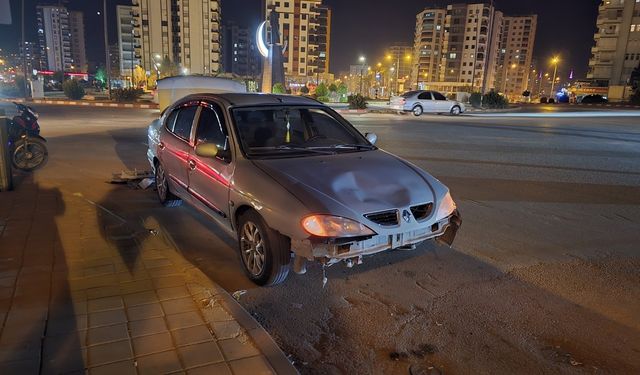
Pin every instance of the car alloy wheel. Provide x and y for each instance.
(161, 183)
(417, 111)
(252, 248)
(455, 110)
(165, 195)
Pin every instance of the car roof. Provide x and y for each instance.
(255, 99)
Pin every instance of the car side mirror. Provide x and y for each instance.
(372, 138)
(207, 150)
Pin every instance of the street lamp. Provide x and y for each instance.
(362, 60)
(555, 62)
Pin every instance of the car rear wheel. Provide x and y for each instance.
(166, 197)
(455, 111)
(265, 253)
(417, 110)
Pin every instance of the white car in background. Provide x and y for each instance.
(421, 101)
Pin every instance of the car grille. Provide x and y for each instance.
(422, 211)
(384, 218)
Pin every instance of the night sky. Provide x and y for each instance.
(365, 27)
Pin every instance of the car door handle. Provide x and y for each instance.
(161, 145)
(192, 164)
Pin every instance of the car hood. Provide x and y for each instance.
(360, 182)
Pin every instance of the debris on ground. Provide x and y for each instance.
(396, 356)
(145, 183)
(238, 293)
(297, 306)
(153, 232)
(209, 301)
(423, 350)
(132, 178)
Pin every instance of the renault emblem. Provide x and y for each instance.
(406, 215)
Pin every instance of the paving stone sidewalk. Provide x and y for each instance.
(83, 291)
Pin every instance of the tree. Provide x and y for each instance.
(278, 88)
(139, 76)
(101, 76)
(321, 90)
(333, 88)
(343, 90)
(168, 68)
(634, 80)
(152, 81)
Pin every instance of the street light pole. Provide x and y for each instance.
(24, 57)
(362, 60)
(106, 48)
(555, 72)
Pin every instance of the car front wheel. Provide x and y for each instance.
(455, 111)
(417, 111)
(265, 253)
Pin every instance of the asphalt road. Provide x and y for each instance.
(544, 276)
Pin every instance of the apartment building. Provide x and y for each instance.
(427, 50)
(458, 48)
(128, 59)
(61, 40)
(187, 32)
(305, 28)
(241, 56)
(516, 54)
(617, 42)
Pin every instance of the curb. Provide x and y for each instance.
(84, 103)
(201, 284)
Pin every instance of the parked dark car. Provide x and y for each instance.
(594, 99)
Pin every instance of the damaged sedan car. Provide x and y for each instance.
(290, 178)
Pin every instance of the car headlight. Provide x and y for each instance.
(447, 206)
(334, 226)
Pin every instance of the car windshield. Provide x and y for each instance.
(287, 131)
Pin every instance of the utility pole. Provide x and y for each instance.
(106, 48)
(24, 57)
(555, 72)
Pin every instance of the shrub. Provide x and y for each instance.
(475, 99)
(127, 95)
(322, 90)
(333, 88)
(493, 100)
(72, 89)
(544, 100)
(324, 99)
(551, 101)
(304, 90)
(278, 88)
(357, 102)
(635, 98)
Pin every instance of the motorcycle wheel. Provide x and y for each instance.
(30, 155)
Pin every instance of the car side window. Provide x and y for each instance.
(184, 122)
(211, 128)
(425, 96)
(171, 119)
(438, 96)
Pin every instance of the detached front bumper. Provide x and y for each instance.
(444, 231)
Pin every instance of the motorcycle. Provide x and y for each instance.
(28, 149)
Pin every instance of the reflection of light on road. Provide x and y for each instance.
(562, 114)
